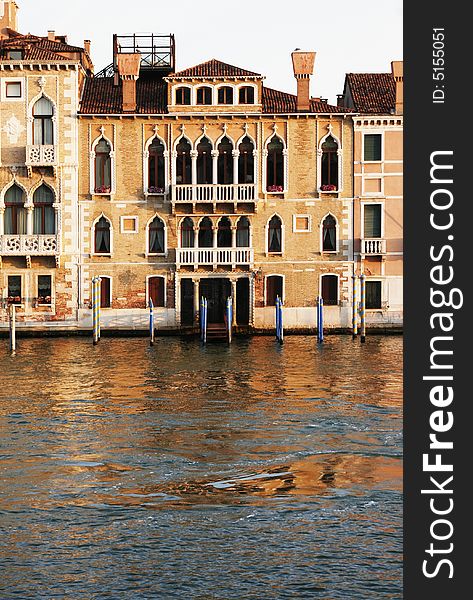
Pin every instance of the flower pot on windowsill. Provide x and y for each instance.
(275, 189)
(328, 188)
(155, 191)
(43, 301)
(103, 189)
(14, 300)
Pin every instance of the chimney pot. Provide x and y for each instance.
(397, 69)
(129, 71)
(303, 66)
(51, 35)
(8, 17)
(87, 46)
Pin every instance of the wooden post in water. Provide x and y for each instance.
(279, 321)
(354, 308)
(203, 320)
(363, 307)
(151, 322)
(320, 319)
(12, 329)
(96, 309)
(229, 319)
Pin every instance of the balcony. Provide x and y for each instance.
(240, 192)
(214, 257)
(41, 156)
(29, 245)
(373, 246)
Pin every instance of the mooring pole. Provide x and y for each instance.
(320, 319)
(96, 310)
(151, 322)
(229, 319)
(279, 321)
(354, 309)
(363, 307)
(276, 308)
(13, 329)
(203, 320)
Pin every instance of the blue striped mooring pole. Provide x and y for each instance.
(354, 308)
(96, 309)
(320, 319)
(363, 307)
(203, 320)
(151, 322)
(279, 320)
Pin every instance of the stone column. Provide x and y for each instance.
(214, 166)
(29, 219)
(2, 222)
(234, 300)
(57, 217)
(194, 155)
(196, 300)
(235, 154)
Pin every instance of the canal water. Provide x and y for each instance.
(245, 472)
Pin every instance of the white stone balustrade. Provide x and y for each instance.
(373, 246)
(240, 192)
(29, 245)
(40, 155)
(214, 257)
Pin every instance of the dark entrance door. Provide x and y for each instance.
(187, 302)
(216, 291)
(243, 301)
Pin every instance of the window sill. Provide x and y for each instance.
(329, 252)
(163, 254)
(104, 254)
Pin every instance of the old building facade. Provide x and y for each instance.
(40, 83)
(204, 182)
(377, 99)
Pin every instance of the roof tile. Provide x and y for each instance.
(372, 92)
(214, 68)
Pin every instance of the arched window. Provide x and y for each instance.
(156, 291)
(224, 233)
(187, 233)
(274, 288)
(275, 234)
(43, 122)
(156, 168)
(205, 233)
(275, 165)
(225, 161)
(246, 162)
(103, 167)
(156, 243)
(246, 95)
(243, 233)
(15, 213)
(204, 161)
(102, 236)
(183, 162)
(204, 95)
(330, 163)
(225, 95)
(44, 217)
(329, 234)
(330, 290)
(183, 96)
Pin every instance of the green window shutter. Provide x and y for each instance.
(372, 221)
(373, 146)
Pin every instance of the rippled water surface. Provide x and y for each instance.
(245, 472)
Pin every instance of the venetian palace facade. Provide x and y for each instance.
(172, 185)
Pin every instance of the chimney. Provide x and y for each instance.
(303, 65)
(8, 17)
(129, 71)
(398, 74)
(340, 99)
(51, 35)
(87, 46)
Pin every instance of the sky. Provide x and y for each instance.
(348, 36)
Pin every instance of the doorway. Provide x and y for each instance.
(243, 301)
(187, 302)
(216, 291)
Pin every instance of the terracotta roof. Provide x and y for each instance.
(214, 68)
(276, 102)
(372, 92)
(38, 48)
(101, 96)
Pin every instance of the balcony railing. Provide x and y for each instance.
(240, 192)
(29, 245)
(373, 246)
(214, 257)
(41, 156)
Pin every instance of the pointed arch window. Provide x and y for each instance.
(330, 164)
(246, 162)
(102, 238)
(43, 133)
(243, 233)
(15, 213)
(329, 234)
(156, 167)
(205, 233)
(44, 216)
(204, 95)
(275, 235)
(156, 237)
(225, 161)
(103, 167)
(204, 161)
(224, 233)
(187, 233)
(225, 95)
(275, 165)
(183, 96)
(183, 162)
